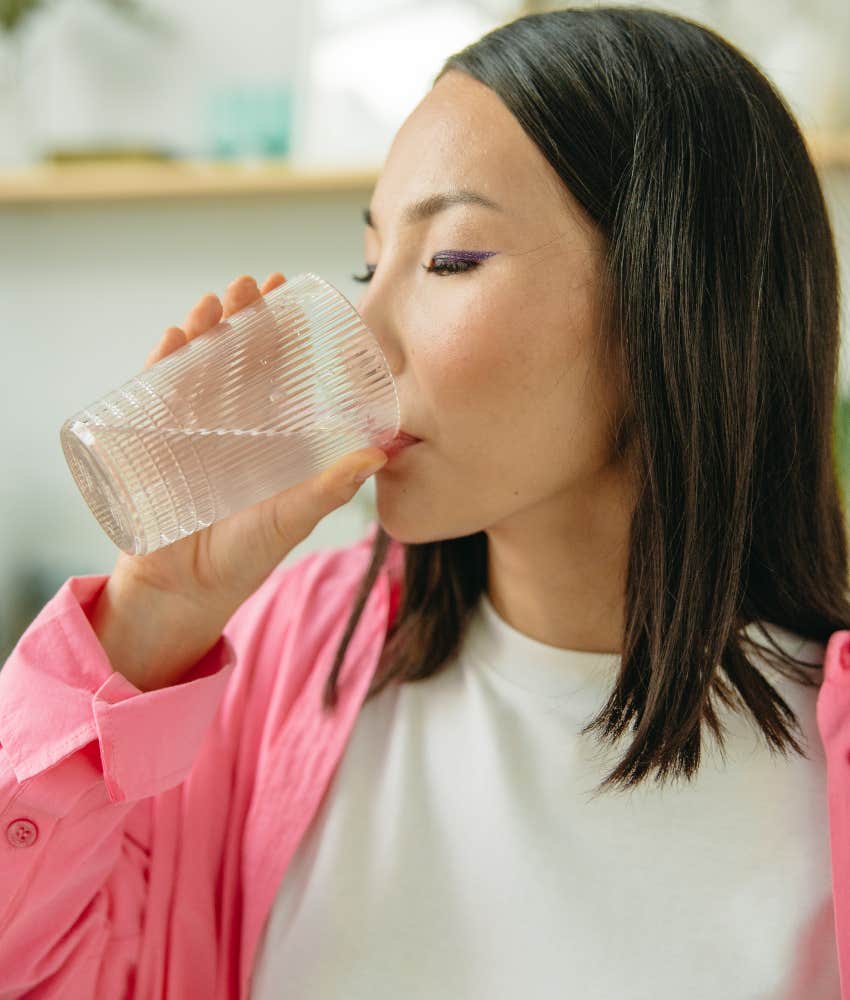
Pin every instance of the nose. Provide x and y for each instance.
(375, 312)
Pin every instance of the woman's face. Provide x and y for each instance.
(498, 366)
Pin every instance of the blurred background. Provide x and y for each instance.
(151, 152)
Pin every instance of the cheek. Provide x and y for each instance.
(509, 376)
(472, 372)
(498, 355)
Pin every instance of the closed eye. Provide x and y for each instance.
(450, 265)
(440, 265)
(370, 270)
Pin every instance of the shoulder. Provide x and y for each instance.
(837, 657)
(832, 655)
(284, 638)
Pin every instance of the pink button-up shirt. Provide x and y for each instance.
(143, 836)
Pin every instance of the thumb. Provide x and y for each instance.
(297, 511)
(345, 477)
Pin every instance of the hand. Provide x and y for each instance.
(193, 586)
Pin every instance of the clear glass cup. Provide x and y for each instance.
(277, 392)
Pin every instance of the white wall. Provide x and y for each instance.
(85, 293)
(86, 289)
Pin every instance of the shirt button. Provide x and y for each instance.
(21, 833)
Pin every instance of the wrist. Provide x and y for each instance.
(149, 636)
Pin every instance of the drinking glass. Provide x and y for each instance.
(268, 397)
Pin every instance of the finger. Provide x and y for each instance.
(289, 517)
(173, 338)
(205, 313)
(272, 281)
(240, 293)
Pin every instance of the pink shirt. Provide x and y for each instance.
(143, 836)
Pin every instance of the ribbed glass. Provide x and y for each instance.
(274, 394)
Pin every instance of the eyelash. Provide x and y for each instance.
(431, 267)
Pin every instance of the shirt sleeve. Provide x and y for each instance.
(58, 692)
(82, 750)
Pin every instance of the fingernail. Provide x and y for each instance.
(369, 470)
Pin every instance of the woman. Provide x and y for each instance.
(615, 567)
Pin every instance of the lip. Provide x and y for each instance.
(401, 441)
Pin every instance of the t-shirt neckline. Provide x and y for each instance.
(535, 666)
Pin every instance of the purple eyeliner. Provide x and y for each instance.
(468, 255)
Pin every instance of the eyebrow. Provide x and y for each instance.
(418, 211)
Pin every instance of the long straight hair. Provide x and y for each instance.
(720, 295)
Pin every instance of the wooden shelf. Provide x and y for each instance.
(91, 182)
(131, 181)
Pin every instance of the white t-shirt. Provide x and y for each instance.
(458, 853)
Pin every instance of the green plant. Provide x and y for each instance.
(13, 13)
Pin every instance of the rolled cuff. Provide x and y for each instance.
(58, 692)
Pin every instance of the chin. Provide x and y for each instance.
(407, 537)
(402, 530)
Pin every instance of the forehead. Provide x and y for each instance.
(461, 135)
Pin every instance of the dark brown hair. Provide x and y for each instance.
(721, 296)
